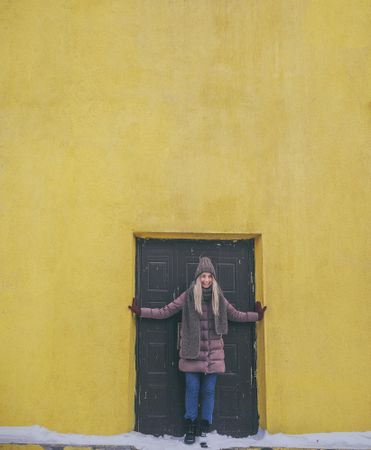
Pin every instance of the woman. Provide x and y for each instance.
(205, 315)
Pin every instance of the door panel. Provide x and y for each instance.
(165, 268)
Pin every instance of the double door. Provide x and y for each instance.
(165, 268)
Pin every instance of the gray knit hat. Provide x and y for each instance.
(205, 265)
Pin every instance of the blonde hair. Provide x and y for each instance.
(197, 294)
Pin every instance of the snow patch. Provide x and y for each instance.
(40, 435)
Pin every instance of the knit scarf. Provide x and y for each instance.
(191, 325)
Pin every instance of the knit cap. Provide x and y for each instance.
(205, 265)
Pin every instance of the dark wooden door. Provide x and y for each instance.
(165, 268)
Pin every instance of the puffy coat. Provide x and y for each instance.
(211, 356)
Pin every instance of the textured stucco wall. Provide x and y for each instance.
(170, 116)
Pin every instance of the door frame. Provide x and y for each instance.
(260, 332)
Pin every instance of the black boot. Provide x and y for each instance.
(204, 427)
(190, 436)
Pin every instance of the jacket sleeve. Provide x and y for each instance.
(165, 312)
(239, 316)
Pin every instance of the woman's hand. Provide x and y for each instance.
(260, 310)
(135, 309)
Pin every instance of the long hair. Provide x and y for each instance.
(197, 294)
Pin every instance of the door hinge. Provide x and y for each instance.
(252, 281)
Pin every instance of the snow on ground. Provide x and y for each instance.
(40, 435)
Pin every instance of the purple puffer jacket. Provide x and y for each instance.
(211, 356)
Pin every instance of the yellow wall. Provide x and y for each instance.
(213, 116)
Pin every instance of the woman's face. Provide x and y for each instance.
(206, 279)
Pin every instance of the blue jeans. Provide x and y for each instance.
(193, 382)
